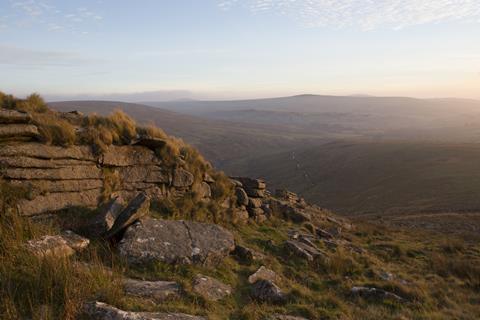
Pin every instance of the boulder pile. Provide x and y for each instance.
(251, 196)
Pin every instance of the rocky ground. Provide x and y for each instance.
(145, 229)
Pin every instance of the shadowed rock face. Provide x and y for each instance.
(102, 311)
(267, 291)
(184, 242)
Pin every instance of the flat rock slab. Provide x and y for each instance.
(18, 130)
(375, 293)
(183, 242)
(284, 317)
(13, 116)
(136, 209)
(57, 201)
(304, 250)
(102, 311)
(122, 156)
(210, 288)
(62, 245)
(42, 151)
(157, 291)
(263, 273)
(67, 173)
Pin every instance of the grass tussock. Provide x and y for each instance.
(50, 287)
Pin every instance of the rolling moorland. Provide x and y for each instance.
(359, 156)
(103, 218)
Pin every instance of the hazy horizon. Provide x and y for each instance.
(218, 49)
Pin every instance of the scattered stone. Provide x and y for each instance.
(286, 195)
(304, 250)
(323, 234)
(247, 255)
(182, 178)
(136, 209)
(183, 242)
(284, 317)
(386, 276)
(289, 212)
(155, 290)
(210, 288)
(242, 198)
(62, 245)
(267, 291)
(263, 274)
(102, 311)
(250, 183)
(375, 293)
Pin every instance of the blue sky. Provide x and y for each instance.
(216, 49)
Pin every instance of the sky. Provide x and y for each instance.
(234, 49)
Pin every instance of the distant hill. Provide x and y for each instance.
(220, 141)
(349, 116)
(404, 161)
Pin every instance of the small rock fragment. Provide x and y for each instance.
(210, 288)
(263, 274)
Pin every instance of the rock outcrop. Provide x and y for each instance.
(58, 177)
(184, 242)
(252, 195)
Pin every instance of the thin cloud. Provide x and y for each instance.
(365, 14)
(53, 18)
(15, 56)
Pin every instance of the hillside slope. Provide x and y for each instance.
(191, 243)
(220, 141)
(383, 178)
